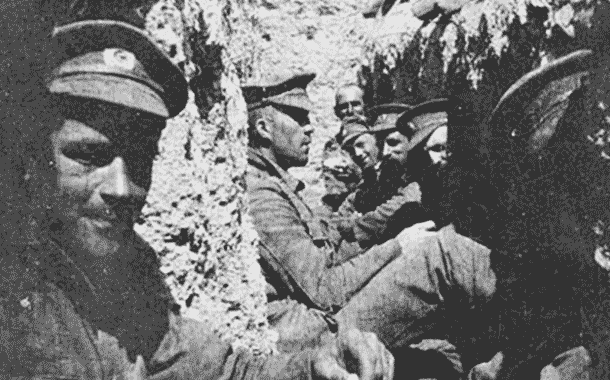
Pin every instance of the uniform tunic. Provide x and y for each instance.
(301, 254)
(56, 324)
(401, 296)
(385, 221)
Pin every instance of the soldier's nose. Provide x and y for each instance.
(118, 186)
(308, 129)
(386, 151)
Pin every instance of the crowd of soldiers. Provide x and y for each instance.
(392, 256)
(387, 285)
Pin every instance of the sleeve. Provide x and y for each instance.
(308, 265)
(472, 277)
(345, 216)
(389, 218)
(190, 350)
(347, 206)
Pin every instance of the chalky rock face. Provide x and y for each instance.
(195, 217)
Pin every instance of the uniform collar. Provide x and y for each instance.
(259, 161)
(18, 276)
(63, 270)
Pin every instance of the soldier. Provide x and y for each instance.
(349, 102)
(363, 147)
(426, 128)
(91, 304)
(340, 172)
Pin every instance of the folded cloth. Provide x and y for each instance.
(298, 327)
(569, 365)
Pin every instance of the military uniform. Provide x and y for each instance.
(300, 255)
(55, 324)
(384, 222)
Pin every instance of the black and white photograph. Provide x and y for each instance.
(305, 189)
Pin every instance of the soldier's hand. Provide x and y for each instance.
(417, 231)
(353, 355)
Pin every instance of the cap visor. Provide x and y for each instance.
(293, 100)
(421, 136)
(349, 140)
(382, 128)
(111, 89)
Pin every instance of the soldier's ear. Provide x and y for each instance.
(263, 128)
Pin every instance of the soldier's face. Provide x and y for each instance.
(349, 102)
(436, 146)
(291, 136)
(365, 151)
(103, 157)
(395, 148)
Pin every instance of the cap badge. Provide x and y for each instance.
(119, 58)
(383, 118)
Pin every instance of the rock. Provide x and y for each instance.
(195, 214)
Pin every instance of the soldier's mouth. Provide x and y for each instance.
(103, 214)
(101, 224)
(107, 219)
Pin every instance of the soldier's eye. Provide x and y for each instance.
(90, 154)
(303, 121)
(299, 115)
(436, 148)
